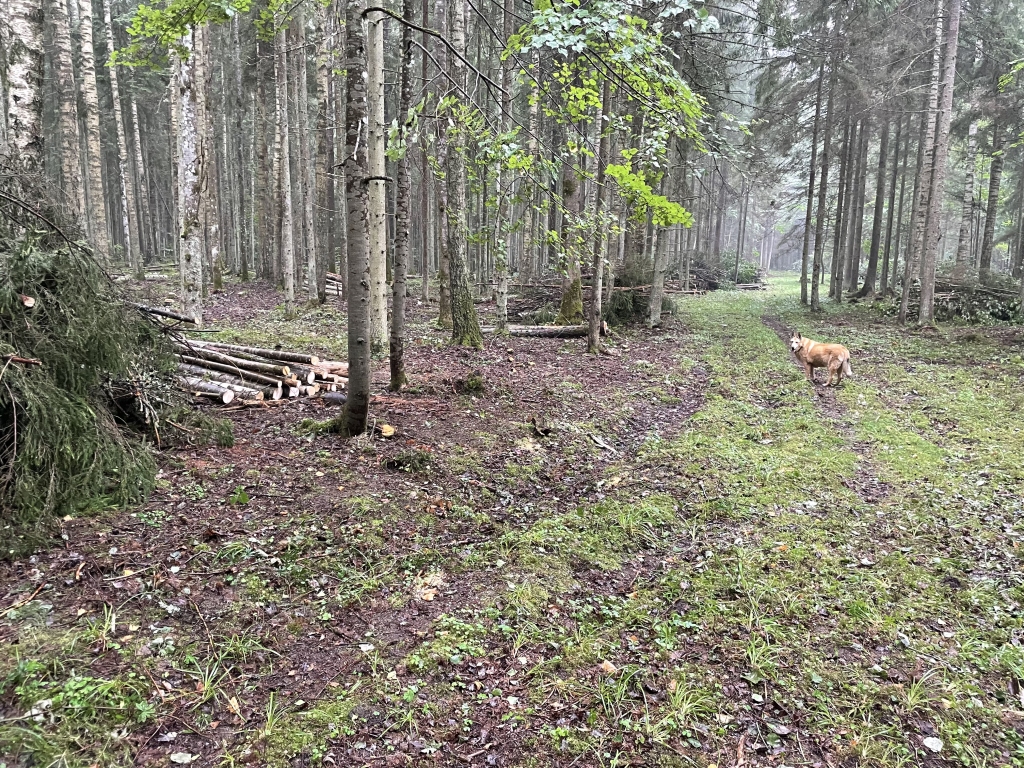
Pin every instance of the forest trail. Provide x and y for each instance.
(681, 555)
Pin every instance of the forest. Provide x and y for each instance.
(421, 383)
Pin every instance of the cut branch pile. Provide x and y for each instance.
(233, 373)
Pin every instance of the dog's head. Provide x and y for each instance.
(795, 342)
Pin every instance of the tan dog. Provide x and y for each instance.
(834, 357)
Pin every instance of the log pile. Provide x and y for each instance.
(334, 283)
(234, 373)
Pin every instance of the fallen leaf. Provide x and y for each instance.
(183, 758)
(933, 744)
(608, 668)
(778, 728)
(168, 737)
(386, 430)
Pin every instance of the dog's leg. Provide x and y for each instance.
(809, 371)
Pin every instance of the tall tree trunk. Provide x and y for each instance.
(145, 220)
(926, 166)
(899, 207)
(129, 224)
(570, 311)
(600, 228)
(806, 250)
(306, 166)
(403, 192)
(465, 326)
(842, 203)
(819, 220)
(378, 225)
(945, 117)
(992, 203)
(190, 179)
(324, 158)
(245, 223)
(23, 110)
(353, 420)
(887, 251)
(876, 223)
(287, 227)
(963, 244)
(859, 200)
(67, 98)
(424, 164)
(95, 213)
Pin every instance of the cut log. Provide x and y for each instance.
(293, 392)
(203, 388)
(332, 366)
(271, 381)
(335, 398)
(267, 369)
(309, 391)
(548, 331)
(304, 375)
(234, 384)
(162, 313)
(269, 354)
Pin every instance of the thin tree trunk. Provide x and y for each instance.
(127, 195)
(190, 178)
(992, 203)
(963, 244)
(933, 232)
(146, 223)
(839, 237)
(306, 166)
(899, 209)
(403, 192)
(926, 166)
(859, 201)
(819, 221)
(378, 225)
(876, 224)
(95, 213)
(465, 325)
(601, 230)
(806, 249)
(287, 231)
(353, 420)
(67, 99)
(897, 151)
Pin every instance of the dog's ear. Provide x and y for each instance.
(798, 335)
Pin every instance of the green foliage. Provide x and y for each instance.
(634, 186)
(62, 448)
(165, 26)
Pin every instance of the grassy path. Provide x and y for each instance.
(750, 571)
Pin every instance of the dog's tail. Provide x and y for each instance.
(847, 370)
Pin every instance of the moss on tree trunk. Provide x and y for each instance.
(571, 310)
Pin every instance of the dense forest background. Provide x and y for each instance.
(872, 146)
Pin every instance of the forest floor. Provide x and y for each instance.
(699, 559)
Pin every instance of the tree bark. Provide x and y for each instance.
(887, 251)
(285, 179)
(465, 325)
(926, 165)
(842, 203)
(963, 244)
(352, 420)
(95, 213)
(992, 203)
(306, 166)
(600, 228)
(938, 183)
(190, 179)
(67, 99)
(378, 231)
(23, 110)
(876, 224)
(857, 207)
(819, 221)
(129, 224)
(424, 165)
(806, 249)
(403, 193)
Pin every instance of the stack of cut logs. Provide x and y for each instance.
(232, 373)
(334, 283)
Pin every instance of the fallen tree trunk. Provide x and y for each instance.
(209, 389)
(236, 385)
(162, 313)
(268, 369)
(268, 354)
(548, 331)
(272, 381)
